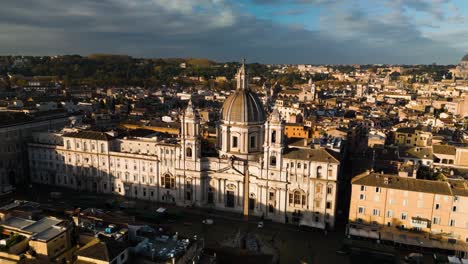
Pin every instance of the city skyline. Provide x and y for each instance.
(265, 31)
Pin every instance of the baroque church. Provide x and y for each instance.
(255, 172)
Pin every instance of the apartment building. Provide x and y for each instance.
(412, 137)
(392, 206)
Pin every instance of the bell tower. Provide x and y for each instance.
(274, 141)
(190, 133)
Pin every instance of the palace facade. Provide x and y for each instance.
(255, 173)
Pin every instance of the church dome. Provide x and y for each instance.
(243, 106)
(465, 58)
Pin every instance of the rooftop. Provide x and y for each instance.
(17, 222)
(444, 149)
(465, 58)
(321, 155)
(102, 250)
(44, 229)
(89, 135)
(411, 184)
(42, 225)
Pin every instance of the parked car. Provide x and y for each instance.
(414, 258)
(208, 221)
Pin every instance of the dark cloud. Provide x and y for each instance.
(209, 28)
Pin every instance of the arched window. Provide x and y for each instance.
(85, 146)
(273, 160)
(168, 181)
(68, 144)
(188, 152)
(297, 198)
(273, 136)
(318, 188)
(319, 172)
(102, 148)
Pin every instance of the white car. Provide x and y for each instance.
(208, 221)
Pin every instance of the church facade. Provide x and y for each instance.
(255, 173)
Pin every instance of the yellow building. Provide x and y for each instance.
(292, 130)
(388, 206)
(412, 137)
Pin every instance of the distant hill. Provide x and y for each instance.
(109, 57)
(200, 62)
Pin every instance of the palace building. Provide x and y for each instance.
(255, 172)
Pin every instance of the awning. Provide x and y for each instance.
(400, 239)
(373, 234)
(353, 232)
(454, 260)
(386, 236)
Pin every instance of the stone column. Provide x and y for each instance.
(246, 192)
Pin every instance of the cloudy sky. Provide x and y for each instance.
(268, 31)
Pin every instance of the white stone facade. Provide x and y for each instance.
(294, 185)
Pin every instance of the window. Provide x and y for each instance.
(102, 148)
(271, 196)
(436, 220)
(297, 198)
(318, 188)
(403, 216)
(188, 152)
(361, 210)
(273, 136)
(298, 165)
(452, 222)
(405, 202)
(362, 197)
(437, 206)
(389, 213)
(329, 189)
(319, 172)
(377, 189)
(168, 181)
(391, 201)
(273, 160)
(271, 208)
(420, 204)
(253, 142)
(376, 212)
(329, 205)
(363, 188)
(68, 144)
(85, 146)
(454, 209)
(235, 142)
